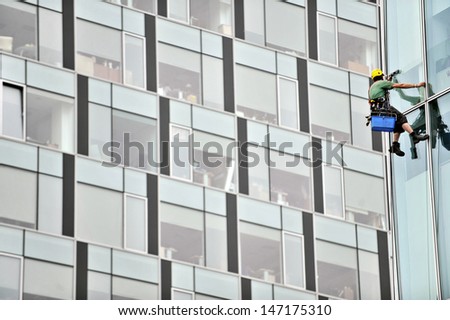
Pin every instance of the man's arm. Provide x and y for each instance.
(408, 85)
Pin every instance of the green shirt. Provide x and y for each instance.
(379, 89)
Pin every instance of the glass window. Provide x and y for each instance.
(334, 230)
(50, 37)
(210, 121)
(358, 50)
(292, 220)
(261, 213)
(43, 280)
(134, 61)
(216, 242)
(178, 294)
(215, 202)
(99, 286)
(280, 35)
(405, 41)
(369, 275)
(179, 73)
(99, 92)
(18, 197)
(135, 182)
(11, 111)
(258, 173)
(127, 289)
(182, 234)
(11, 240)
(254, 21)
(413, 219)
(358, 11)
(100, 12)
(213, 86)
(363, 161)
(135, 223)
(337, 270)
(99, 216)
(329, 77)
(18, 31)
(179, 35)
(144, 5)
(133, 22)
(182, 276)
(284, 293)
(10, 278)
(99, 51)
(180, 164)
(184, 194)
(51, 79)
(217, 284)
(261, 290)
(260, 252)
(293, 260)
(135, 138)
(361, 206)
(327, 107)
(135, 101)
(131, 265)
(333, 193)
(214, 161)
(440, 143)
(180, 113)
(45, 247)
(213, 15)
(179, 10)
(50, 162)
(50, 120)
(99, 258)
(286, 65)
(12, 68)
(288, 102)
(256, 94)
(50, 204)
(290, 181)
(18, 155)
(361, 136)
(438, 43)
(255, 56)
(327, 39)
(212, 44)
(99, 132)
(94, 173)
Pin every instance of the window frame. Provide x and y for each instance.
(191, 152)
(124, 58)
(191, 293)
(188, 12)
(336, 39)
(344, 213)
(283, 243)
(279, 77)
(21, 273)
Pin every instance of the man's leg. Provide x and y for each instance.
(416, 138)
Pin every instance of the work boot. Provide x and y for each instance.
(416, 138)
(395, 148)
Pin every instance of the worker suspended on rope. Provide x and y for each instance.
(379, 97)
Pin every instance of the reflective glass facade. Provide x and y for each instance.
(420, 51)
(203, 150)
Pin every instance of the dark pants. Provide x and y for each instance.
(401, 119)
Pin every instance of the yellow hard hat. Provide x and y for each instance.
(376, 73)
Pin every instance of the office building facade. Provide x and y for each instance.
(205, 150)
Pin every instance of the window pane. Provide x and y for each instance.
(213, 82)
(217, 284)
(126, 289)
(99, 258)
(10, 278)
(216, 242)
(438, 36)
(99, 215)
(50, 162)
(294, 260)
(288, 103)
(182, 276)
(254, 21)
(136, 136)
(329, 106)
(280, 35)
(43, 280)
(134, 61)
(179, 73)
(337, 270)
(214, 161)
(180, 165)
(133, 22)
(258, 173)
(11, 120)
(50, 204)
(131, 265)
(260, 252)
(358, 11)
(50, 120)
(182, 234)
(290, 181)
(99, 286)
(18, 197)
(369, 275)
(50, 37)
(99, 51)
(136, 223)
(357, 47)
(184, 194)
(135, 101)
(182, 295)
(405, 41)
(45, 247)
(99, 132)
(361, 136)
(220, 123)
(212, 15)
(18, 28)
(363, 207)
(11, 240)
(256, 94)
(178, 10)
(327, 39)
(332, 178)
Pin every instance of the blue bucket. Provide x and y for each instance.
(383, 123)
